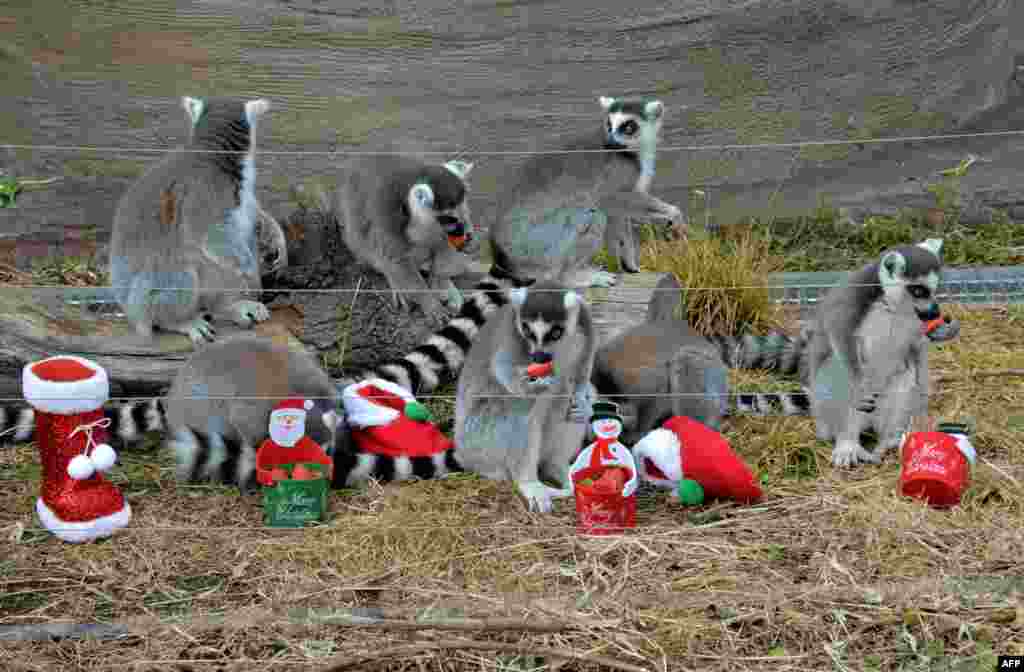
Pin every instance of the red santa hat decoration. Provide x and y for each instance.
(685, 448)
(300, 406)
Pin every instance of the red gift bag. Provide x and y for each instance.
(936, 467)
(608, 504)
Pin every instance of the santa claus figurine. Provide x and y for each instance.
(685, 449)
(288, 443)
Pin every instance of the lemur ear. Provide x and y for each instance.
(421, 196)
(517, 295)
(331, 419)
(933, 245)
(606, 102)
(459, 168)
(654, 109)
(571, 300)
(194, 107)
(891, 267)
(254, 109)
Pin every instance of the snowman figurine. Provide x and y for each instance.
(606, 450)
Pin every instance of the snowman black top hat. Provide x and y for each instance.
(605, 410)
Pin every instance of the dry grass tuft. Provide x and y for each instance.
(724, 279)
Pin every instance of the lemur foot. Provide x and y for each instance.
(198, 330)
(850, 453)
(247, 313)
(538, 496)
(602, 279)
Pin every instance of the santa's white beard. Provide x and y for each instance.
(286, 436)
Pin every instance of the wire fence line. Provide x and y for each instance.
(343, 290)
(451, 397)
(475, 152)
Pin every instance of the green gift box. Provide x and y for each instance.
(292, 503)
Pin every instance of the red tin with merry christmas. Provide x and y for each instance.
(936, 466)
(604, 478)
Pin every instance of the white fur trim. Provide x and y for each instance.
(660, 446)
(362, 412)
(606, 102)
(69, 397)
(459, 168)
(254, 109)
(79, 532)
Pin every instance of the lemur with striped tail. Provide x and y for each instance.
(554, 215)
(861, 361)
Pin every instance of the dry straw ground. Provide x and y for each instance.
(833, 571)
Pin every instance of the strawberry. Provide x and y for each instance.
(278, 474)
(540, 370)
(303, 473)
(932, 325)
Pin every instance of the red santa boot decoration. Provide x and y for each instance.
(77, 503)
(393, 434)
(685, 448)
(288, 443)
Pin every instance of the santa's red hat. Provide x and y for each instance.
(685, 448)
(300, 406)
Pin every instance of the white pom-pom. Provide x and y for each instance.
(103, 457)
(308, 405)
(80, 468)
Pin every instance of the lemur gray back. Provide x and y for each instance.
(185, 236)
(214, 179)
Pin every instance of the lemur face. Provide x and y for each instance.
(441, 196)
(911, 274)
(631, 124)
(544, 315)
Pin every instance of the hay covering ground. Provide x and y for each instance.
(833, 571)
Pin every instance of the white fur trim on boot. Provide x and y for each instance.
(662, 447)
(66, 397)
(362, 412)
(80, 532)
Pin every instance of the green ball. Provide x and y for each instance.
(690, 492)
(417, 411)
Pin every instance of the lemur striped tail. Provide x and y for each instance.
(769, 403)
(440, 359)
(774, 351)
(128, 421)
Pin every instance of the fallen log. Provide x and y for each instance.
(353, 328)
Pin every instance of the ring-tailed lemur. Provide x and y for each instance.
(580, 193)
(645, 366)
(512, 426)
(185, 233)
(396, 214)
(216, 412)
(863, 359)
